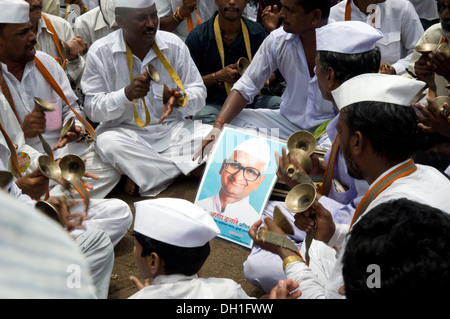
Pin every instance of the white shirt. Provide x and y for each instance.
(242, 210)
(400, 25)
(426, 9)
(302, 102)
(426, 185)
(41, 256)
(106, 76)
(191, 287)
(33, 84)
(66, 34)
(93, 25)
(205, 9)
(12, 127)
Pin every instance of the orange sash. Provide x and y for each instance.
(401, 171)
(328, 175)
(55, 38)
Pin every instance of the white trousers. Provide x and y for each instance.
(152, 164)
(113, 216)
(98, 250)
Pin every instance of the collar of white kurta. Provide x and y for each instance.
(119, 43)
(170, 279)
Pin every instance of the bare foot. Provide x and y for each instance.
(130, 187)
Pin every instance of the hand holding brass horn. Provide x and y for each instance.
(427, 48)
(44, 106)
(5, 178)
(72, 170)
(242, 65)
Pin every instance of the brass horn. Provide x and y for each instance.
(301, 197)
(152, 73)
(301, 145)
(280, 219)
(72, 168)
(44, 106)
(5, 178)
(242, 65)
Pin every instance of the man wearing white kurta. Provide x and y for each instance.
(75, 64)
(419, 182)
(96, 23)
(33, 84)
(151, 156)
(396, 19)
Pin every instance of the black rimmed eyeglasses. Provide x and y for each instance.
(250, 173)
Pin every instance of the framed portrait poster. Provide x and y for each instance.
(239, 177)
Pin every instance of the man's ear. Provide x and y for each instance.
(153, 263)
(332, 83)
(317, 16)
(358, 143)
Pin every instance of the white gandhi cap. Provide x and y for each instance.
(256, 147)
(136, 4)
(348, 37)
(378, 87)
(14, 11)
(174, 221)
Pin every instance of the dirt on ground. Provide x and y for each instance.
(225, 261)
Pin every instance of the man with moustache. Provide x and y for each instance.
(49, 30)
(145, 137)
(216, 55)
(376, 151)
(292, 50)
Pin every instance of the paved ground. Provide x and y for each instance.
(225, 261)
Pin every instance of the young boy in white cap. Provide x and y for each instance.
(377, 130)
(171, 238)
(337, 61)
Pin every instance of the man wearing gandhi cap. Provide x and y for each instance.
(171, 238)
(377, 129)
(344, 50)
(241, 173)
(144, 125)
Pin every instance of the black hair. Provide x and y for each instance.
(322, 5)
(391, 128)
(177, 260)
(346, 66)
(409, 242)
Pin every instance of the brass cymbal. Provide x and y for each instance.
(43, 106)
(426, 48)
(152, 73)
(5, 178)
(242, 65)
(303, 140)
(302, 157)
(72, 167)
(48, 209)
(48, 167)
(67, 127)
(166, 94)
(280, 219)
(300, 198)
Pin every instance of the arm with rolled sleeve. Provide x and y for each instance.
(263, 64)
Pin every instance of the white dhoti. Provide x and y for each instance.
(98, 250)
(152, 158)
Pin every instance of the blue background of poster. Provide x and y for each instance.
(210, 184)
